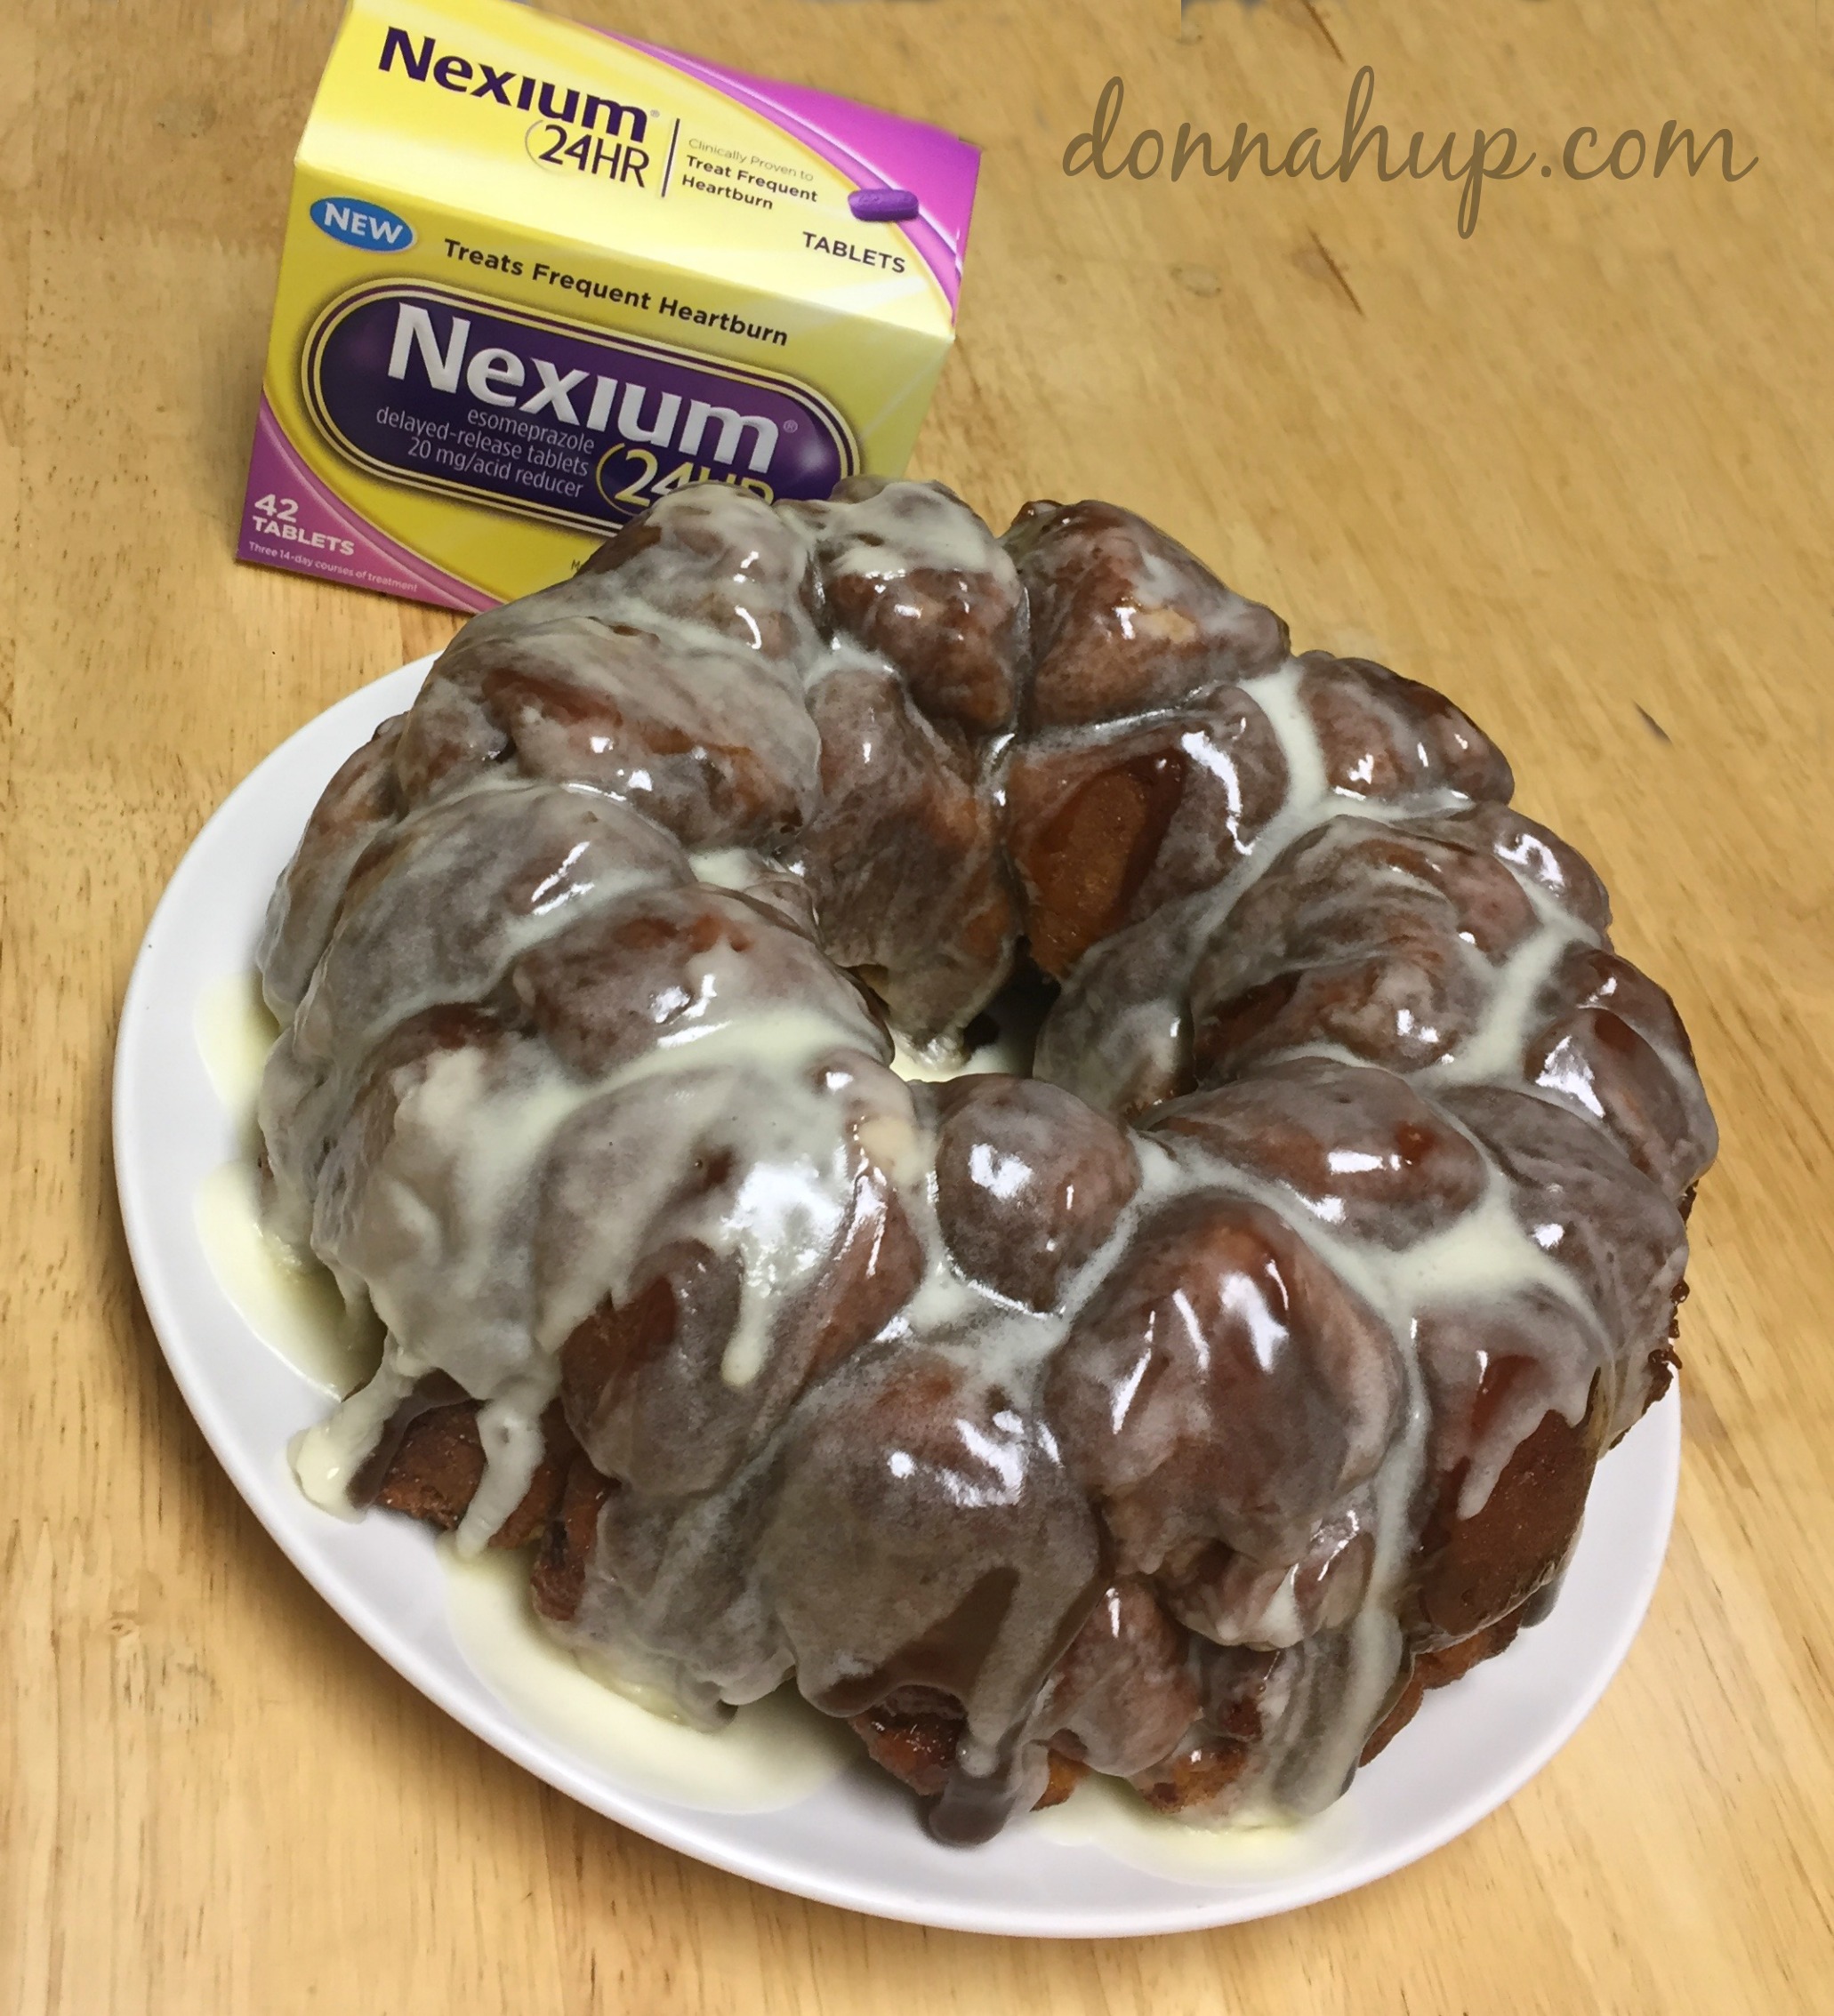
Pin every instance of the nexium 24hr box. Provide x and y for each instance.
(536, 277)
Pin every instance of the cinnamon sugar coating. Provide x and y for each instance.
(930, 926)
(647, 1376)
(1106, 826)
(362, 801)
(1124, 620)
(1386, 939)
(1383, 737)
(1222, 1384)
(1356, 1148)
(910, 573)
(1029, 1181)
(1615, 1048)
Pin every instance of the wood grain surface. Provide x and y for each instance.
(1574, 468)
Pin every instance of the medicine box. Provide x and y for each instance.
(536, 276)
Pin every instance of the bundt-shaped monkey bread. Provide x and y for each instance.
(1179, 1411)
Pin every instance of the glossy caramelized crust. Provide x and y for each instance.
(1182, 1412)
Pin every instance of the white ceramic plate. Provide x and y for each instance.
(1095, 1866)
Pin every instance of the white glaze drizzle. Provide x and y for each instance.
(327, 1457)
(906, 525)
(440, 1283)
(509, 1430)
(1494, 1052)
(727, 867)
(1483, 1257)
(1312, 800)
(286, 1299)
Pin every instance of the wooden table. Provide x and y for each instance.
(1572, 467)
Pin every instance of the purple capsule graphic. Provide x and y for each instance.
(883, 207)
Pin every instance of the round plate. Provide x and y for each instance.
(1097, 1866)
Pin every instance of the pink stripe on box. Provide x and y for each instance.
(875, 149)
(376, 562)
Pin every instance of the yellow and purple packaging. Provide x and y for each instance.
(536, 277)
